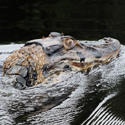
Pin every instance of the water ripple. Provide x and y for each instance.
(74, 99)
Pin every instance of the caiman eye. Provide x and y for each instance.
(69, 44)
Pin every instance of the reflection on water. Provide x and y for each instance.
(109, 111)
(76, 99)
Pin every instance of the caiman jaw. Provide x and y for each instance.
(85, 65)
(80, 64)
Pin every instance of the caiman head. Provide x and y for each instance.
(38, 59)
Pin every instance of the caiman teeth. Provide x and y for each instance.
(83, 65)
(75, 61)
(81, 60)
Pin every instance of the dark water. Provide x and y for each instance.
(83, 19)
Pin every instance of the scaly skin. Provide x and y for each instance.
(40, 58)
(32, 57)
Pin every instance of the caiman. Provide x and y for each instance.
(41, 58)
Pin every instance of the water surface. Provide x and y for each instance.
(75, 99)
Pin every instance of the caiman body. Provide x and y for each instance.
(41, 58)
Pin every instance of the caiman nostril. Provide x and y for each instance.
(67, 67)
(82, 60)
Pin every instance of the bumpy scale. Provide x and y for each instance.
(27, 64)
